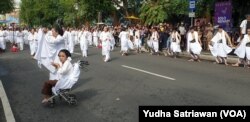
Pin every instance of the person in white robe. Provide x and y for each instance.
(66, 36)
(32, 38)
(243, 25)
(11, 35)
(243, 50)
(175, 39)
(2, 39)
(79, 33)
(220, 48)
(25, 38)
(64, 68)
(137, 38)
(124, 37)
(89, 36)
(112, 42)
(20, 41)
(95, 37)
(105, 38)
(71, 41)
(84, 42)
(153, 43)
(193, 45)
(49, 45)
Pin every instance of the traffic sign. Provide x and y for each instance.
(191, 14)
(192, 5)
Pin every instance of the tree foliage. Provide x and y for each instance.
(6, 6)
(73, 12)
(156, 11)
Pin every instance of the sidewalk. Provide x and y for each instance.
(207, 56)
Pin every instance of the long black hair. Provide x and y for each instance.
(58, 26)
(66, 52)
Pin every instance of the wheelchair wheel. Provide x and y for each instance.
(72, 96)
(73, 102)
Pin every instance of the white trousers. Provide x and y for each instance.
(20, 45)
(106, 50)
(156, 46)
(2, 44)
(84, 48)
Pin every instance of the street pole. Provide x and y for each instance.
(192, 21)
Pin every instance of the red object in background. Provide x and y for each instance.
(14, 48)
(99, 45)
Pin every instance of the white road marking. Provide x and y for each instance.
(6, 105)
(77, 53)
(151, 73)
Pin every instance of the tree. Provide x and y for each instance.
(73, 12)
(6, 6)
(156, 11)
(127, 7)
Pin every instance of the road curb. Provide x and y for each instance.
(230, 59)
(208, 57)
(6, 105)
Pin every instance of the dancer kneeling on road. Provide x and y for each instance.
(64, 69)
(193, 45)
(243, 50)
(221, 46)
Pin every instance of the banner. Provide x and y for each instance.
(223, 13)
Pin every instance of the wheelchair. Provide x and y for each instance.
(64, 94)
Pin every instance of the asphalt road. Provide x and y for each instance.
(110, 92)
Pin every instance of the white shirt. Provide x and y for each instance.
(182, 30)
(124, 35)
(243, 26)
(105, 36)
(32, 37)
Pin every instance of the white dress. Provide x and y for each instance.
(55, 44)
(11, 36)
(90, 37)
(194, 47)
(95, 38)
(32, 38)
(175, 43)
(25, 38)
(71, 41)
(106, 45)
(66, 36)
(154, 41)
(137, 39)
(124, 37)
(2, 40)
(220, 47)
(84, 43)
(20, 36)
(242, 50)
(63, 74)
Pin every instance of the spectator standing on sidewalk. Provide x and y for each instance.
(182, 31)
(209, 35)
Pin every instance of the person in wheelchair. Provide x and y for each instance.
(64, 70)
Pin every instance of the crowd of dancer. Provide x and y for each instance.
(161, 39)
